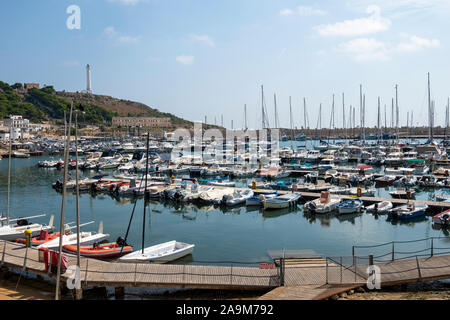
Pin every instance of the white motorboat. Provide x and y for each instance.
(222, 183)
(161, 253)
(215, 195)
(284, 201)
(380, 207)
(325, 204)
(259, 200)
(238, 197)
(350, 206)
(86, 238)
(12, 232)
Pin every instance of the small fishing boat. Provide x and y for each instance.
(442, 196)
(408, 211)
(402, 193)
(442, 218)
(12, 232)
(284, 201)
(365, 192)
(238, 197)
(259, 200)
(161, 253)
(386, 180)
(100, 251)
(222, 183)
(350, 206)
(380, 207)
(325, 204)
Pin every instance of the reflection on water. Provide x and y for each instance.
(219, 233)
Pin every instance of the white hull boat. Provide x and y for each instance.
(11, 233)
(381, 207)
(161, 253)
(281, 202)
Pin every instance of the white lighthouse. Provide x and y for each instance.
(88, 79)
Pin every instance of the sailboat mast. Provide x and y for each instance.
(9, 176)
(61, 223)
(396, 110)
(145, 193)
(430, 111)
(77, 191)
(277, 125)
(262, 108)
(245, 117)
(343, 116)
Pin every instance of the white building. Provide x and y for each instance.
(17, 122)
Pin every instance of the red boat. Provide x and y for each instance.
(42, 238)
(100, 251)
(442, 218)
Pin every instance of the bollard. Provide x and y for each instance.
(28, 234)
(371, 260)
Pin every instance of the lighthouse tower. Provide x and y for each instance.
(88, 79)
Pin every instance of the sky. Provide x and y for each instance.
(197, 58)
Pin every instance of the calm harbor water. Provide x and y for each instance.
(237, 234)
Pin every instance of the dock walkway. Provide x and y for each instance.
(296, 278)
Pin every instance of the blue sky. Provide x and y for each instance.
(210, 57)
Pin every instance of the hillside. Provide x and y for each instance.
(46, 103)
(124, 108)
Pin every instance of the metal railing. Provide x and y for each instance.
(398, 250)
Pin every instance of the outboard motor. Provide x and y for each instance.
(22, 222)
(121, 242)
(445, 219)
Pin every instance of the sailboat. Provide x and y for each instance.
(160, 253)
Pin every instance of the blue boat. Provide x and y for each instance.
(350, 206)
(408, 211)
(259, 200)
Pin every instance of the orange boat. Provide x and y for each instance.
(107, 250)
(42, 238)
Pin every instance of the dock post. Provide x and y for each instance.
(326, 271)
(340, 262)
(282, 272)
(432, 246)
(353, 255)
(371, 260)
(3, 254)
(78, 294)
(119, 293)
(393, 250)
(418, 269)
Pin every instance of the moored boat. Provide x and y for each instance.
(161, 253)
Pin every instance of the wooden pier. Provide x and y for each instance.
(301, 278)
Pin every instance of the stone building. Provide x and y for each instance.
(143, 122)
